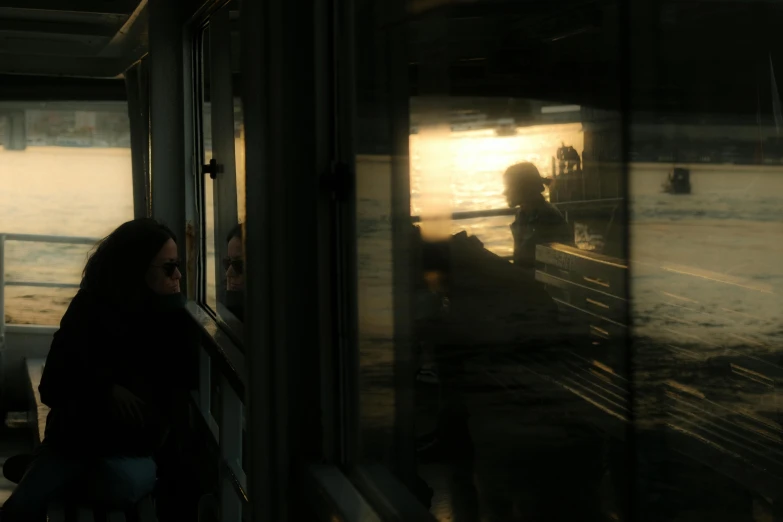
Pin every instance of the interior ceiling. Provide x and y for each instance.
(686, 55)
(668, 56)
(88, 38)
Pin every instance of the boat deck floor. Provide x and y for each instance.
(16, 436)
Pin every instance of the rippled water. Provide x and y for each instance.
(57, 191)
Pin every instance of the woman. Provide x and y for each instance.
(111, 377)
(538, 222)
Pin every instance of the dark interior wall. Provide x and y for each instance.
(694, 57)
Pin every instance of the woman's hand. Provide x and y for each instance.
(126, 406)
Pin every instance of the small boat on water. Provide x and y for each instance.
(678, 182)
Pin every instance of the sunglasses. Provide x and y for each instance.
(237, 264)
(169, 267)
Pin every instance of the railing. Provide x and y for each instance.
(564, 206)
(32, 238)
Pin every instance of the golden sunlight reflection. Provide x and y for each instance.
(464, 170)
(433, 163)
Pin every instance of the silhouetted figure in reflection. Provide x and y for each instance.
(116, 378)
(502, 436)
(449, 443)
(568, 160)
(476, 314)
(538, 222)
(234, 263)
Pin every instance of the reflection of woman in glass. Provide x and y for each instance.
(538, 222)
(234, 264)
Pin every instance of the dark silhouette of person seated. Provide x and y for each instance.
(494, 324)
(115, 378)
(472, 304)
(537, 221)
(234, 264)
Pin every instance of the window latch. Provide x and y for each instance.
(212, 168)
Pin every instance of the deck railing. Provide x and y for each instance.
(32, 238)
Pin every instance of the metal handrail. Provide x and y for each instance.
(494, 212)
(41, 238)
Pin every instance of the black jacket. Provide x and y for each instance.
(148, 349)
(538, 226)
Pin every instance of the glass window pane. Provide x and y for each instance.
(66, 172)
(705, 197)
(224, 195)
(208, 187)
(491, 271)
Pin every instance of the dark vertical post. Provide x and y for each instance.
(284, 95)
(167, 114)
(139, 127)
(404, 449)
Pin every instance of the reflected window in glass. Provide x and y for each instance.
(223, 134)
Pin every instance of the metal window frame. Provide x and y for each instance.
(175, 200)
(222, 102)
(137, 87)
(286, 80)
(213, 15)
(298, 96)
(195, 82)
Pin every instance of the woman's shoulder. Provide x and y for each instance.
(550, 213)
(83, 307)
(97, 314)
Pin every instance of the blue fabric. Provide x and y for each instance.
(112, 482)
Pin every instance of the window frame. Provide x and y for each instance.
(224, 184)
(196, 87)
(220, 347)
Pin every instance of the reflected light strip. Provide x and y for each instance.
(766, 289)
(435, 166)
(747, 340)
(751, 375)
(554, 109)
(680, 297)
(707, 275)
(695, 337)
(675, 296)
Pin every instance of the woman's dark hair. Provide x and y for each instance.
(235, 232)
(118, 265)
